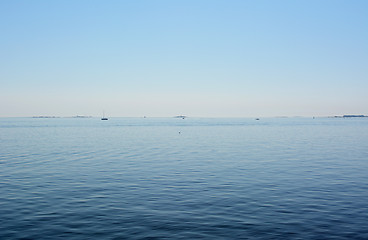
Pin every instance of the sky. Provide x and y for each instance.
(200, 58)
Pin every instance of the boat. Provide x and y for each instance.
(103, 117)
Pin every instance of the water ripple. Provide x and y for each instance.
(218, 179)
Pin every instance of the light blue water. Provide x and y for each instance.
(130, 178)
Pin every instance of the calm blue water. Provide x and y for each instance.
(131, 178)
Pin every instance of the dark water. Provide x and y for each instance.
(132, 178)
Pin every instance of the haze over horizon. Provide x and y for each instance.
(163, 58)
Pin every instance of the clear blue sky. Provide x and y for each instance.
(204, 58)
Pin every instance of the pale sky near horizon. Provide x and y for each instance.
(201, 58)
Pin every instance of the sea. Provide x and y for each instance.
(192, 178)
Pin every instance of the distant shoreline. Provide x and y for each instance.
(78, 116)
(182, 116)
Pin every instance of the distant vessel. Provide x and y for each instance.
(103, 116)
(180, 116)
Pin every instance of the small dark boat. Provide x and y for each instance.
(104, 118)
